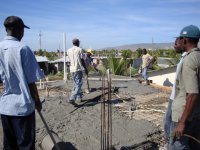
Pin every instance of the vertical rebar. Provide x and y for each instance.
(106, 113)
(101, 115)
(109, 110)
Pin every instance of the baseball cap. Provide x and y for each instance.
(75, 41)
(14, 21)
(190, 31)
(90, 51)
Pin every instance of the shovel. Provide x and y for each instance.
(48, 131)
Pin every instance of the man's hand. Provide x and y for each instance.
(178, 132)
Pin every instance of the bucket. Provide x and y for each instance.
(47, 143)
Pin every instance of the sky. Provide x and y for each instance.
(100, 23)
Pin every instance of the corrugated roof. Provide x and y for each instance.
(60, 60)
(41, 59)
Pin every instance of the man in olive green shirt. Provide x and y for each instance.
(186, 104)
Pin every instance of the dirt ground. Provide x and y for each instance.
(137, 114)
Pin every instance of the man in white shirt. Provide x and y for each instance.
(77, 66)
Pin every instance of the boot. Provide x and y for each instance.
(147, 82)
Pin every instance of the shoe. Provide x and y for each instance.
(71, 101)
(79, 100)
(87, 91)
(147, 82)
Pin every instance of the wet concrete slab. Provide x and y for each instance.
(92, 95)
(81, 127)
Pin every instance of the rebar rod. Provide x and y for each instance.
(106, 113)
(102, 116)
(110, 110)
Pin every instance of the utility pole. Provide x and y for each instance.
(40, 40)
(152, 40)
(153, 46)
(64, 49)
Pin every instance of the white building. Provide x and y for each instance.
(58, 65)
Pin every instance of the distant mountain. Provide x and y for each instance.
(151, 46)
(142, 45)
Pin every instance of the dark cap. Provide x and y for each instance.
(75, 41)
(14, 21)
(190, 31)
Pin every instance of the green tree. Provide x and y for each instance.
(138, 52)
(40, 52)
(116, 65)
(126, 54)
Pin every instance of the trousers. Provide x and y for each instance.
(19, 132)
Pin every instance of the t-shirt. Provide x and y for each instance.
(75, 55)
(187, 82)
(146, 60)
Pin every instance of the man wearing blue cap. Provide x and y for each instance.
(186, 105)
(19, 71)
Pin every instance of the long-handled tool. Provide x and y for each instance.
(48, 130)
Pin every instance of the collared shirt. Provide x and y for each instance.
(18, 68)
(187, 81)
(75, 55)
(177, 70)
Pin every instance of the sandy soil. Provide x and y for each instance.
(80, 128)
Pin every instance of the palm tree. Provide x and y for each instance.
(126, 54)
(117, 66)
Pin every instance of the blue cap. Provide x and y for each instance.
(190, 31)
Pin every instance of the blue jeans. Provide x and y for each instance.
(168, 121)
(77, 84)
(192, 128)
(144, 73)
